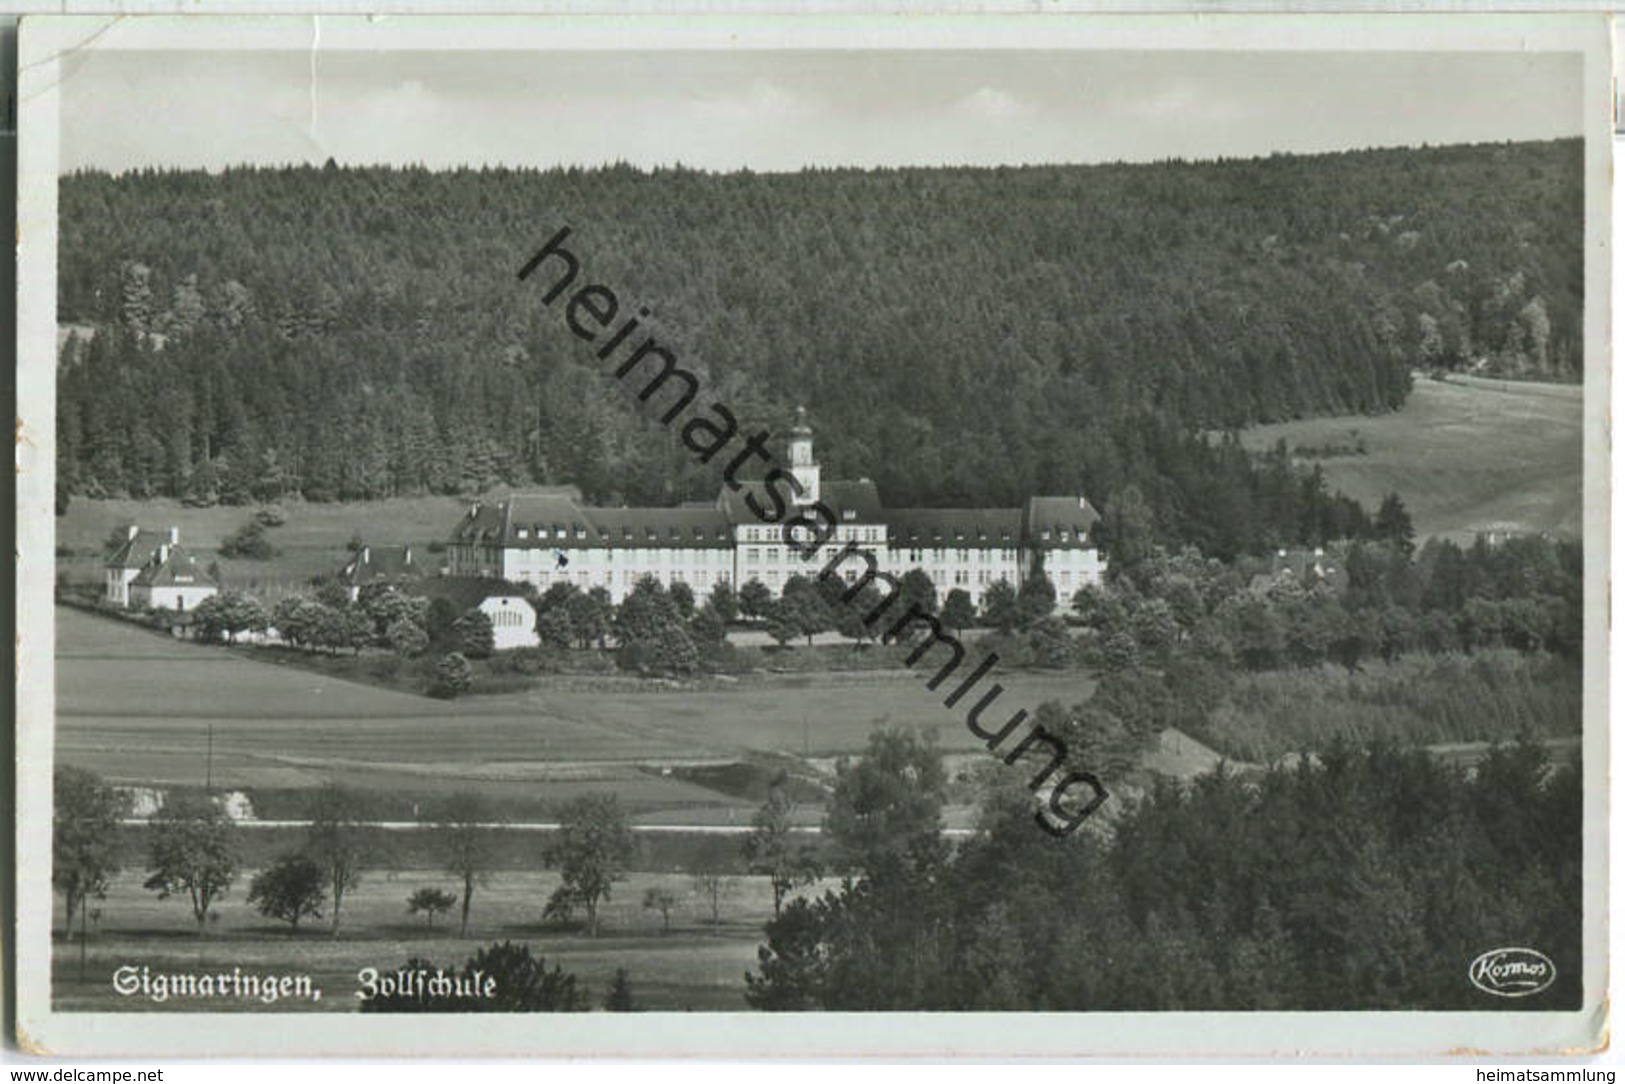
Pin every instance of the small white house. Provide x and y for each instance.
(167, 578)
(513, 620)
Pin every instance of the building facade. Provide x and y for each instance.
(543, 539)
(513, 620)
(151, 570)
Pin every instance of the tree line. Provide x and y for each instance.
(356, 333)
(1363, 878)
(1359, 878)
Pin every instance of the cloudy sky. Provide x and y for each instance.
(785, 110)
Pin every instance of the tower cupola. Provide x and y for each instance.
(802, 463)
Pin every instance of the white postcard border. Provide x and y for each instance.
(46, 48)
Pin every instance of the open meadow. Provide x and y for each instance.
(138, 708)
(694, 967)
(1467, 455)
(312, 542)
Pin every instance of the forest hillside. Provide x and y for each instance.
(962, 336)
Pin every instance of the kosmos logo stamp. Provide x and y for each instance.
(1512, 972)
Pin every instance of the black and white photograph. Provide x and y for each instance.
(1047, 536)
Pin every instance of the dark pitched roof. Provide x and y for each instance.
(860, 498)
(380, 564)
(558, 521)
(176, 569)
(969, 528)
(138, 549)
(666, 528)
(852, 502)
(483, 522)
(1068, 521)
(551, 521)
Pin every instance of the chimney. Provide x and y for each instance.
(174, 536)
(132, 531)
(163, 554)
(406, 555)
(366, 555)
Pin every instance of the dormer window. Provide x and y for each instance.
(581, 532)
(654, 535)
(524, 532)
(1044, 534)
(626, 534)
(849, 514)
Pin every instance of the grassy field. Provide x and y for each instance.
(1465, 455)
(137, 707)
(693, 967)
(312, 541)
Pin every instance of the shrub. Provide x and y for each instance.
(248, 542)
(453, 676)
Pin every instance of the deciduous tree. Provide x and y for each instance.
(888, 801)
(590, 849)
(290, 889)
(772, 847)
(463, 839)
(662, 899)
(336, 840)
(193, 850)
(429, 902)
(999, 606)
(85, 818)
(958, 611)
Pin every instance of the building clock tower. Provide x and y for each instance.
(802, 463)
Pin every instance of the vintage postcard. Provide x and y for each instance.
(965, 536)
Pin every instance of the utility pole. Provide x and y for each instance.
(208, 764)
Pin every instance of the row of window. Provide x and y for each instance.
(584, 580)
(772, 578)
(561, 534)
(700, 556)
(855, 534)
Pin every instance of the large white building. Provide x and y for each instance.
(543, 539)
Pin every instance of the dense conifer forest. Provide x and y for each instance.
(963, 336)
